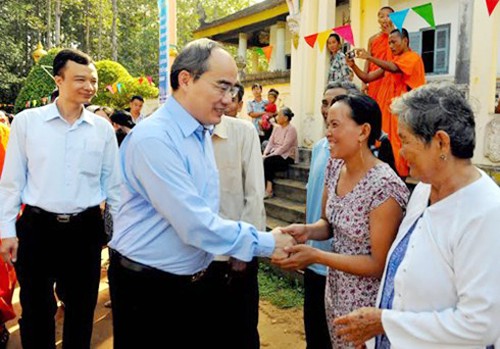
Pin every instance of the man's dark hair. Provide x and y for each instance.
(193, 59)
(241, 91)
(139, 98)
(403, 34)
(69, 54)
(256, 85)
(364, 109)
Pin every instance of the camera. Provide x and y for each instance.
(351, 54)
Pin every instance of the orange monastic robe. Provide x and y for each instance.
(379, 49)
(412, 75)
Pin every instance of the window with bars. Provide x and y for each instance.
(433, 45)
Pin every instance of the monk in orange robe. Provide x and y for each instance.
(378, 46)
(405, 72)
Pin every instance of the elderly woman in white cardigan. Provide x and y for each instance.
(441, 285)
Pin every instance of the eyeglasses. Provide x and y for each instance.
(225, 88)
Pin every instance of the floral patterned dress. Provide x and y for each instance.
(349, 217)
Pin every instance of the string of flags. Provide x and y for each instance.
(6, 105)
(491, 4)
(119, 87)
(265, 51)
(425, 11)
(37, 102)
(344, 31)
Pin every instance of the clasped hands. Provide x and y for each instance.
(290, 252)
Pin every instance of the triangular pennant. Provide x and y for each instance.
(259, 51)
(491, 4)
(110, 89)
(425, 11)
(311, 39)
(345, 32)
(119, 86)
(150, 79)
(267, 52)
(141, 79)
(322, 39)
(398, 18)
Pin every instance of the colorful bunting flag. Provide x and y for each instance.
(323, 38)
(115, 89)
(398, 18)
(311, 39)
(110, 89)
(34, 103)
(259, 51)
(119, 86)
(425, 11)
(491, 4)
(268, 50)
(141, 79)
(345, 32)
(150, 79)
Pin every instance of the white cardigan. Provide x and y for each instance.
(447, 288)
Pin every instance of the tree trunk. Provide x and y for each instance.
(49, 24)
(114, 34)
(99, 40)
(87, 27)
(58, 23)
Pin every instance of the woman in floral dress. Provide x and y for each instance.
(363, 204)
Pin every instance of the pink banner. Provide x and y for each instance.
(345, 32)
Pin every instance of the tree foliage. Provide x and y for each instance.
(87, 25)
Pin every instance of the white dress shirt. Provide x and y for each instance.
(241, 172)
(56, 166)
(447, 287)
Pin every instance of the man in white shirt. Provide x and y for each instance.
(239, 161)
(62, 162)
(135, 109)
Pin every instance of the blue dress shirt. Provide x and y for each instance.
(168, 217)
(315, 185)
(56, 166)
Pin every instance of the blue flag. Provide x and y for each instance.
(398, 18)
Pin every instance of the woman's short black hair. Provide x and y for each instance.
(287, 112)
(364, 110)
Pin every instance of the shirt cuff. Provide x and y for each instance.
(7, 230)
(266, 245)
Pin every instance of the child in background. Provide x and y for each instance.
(271, 110)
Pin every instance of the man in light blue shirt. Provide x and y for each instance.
(62, 162)
(168, 229)
(316, 328)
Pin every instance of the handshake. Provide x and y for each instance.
(290, 252)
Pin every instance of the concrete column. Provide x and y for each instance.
(464, 41)
(242, 45)
(482, 80)
(280, 47)
(255, 62)
(272, 42)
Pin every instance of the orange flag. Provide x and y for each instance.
(267, 52)
(311, 39)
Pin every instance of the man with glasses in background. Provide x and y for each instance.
(168, 228)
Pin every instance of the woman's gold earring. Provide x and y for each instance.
(442, 157)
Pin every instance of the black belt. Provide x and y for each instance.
(137, 267)
(61, 217)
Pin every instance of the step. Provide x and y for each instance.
(272, 223)
(290, 189)
(305, 155)
(298, 172)
(285, 210)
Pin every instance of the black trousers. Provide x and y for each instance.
(274, 164)
(316, 328)
(236, 294)
(141, 294)
(67, 253)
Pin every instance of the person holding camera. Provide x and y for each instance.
(338, 70)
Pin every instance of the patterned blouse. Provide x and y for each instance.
(349, 216)
(339, 70)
